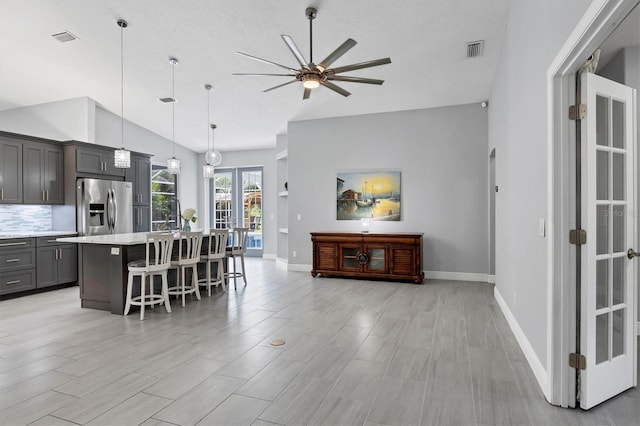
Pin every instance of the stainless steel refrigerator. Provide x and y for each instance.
(103, 207)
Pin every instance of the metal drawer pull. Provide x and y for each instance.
(52, 241)
(12, 260)
(23, 243)
(12, 282)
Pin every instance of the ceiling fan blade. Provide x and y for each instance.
(267, 62)
(361, 65)
(307, 93)
(341, 50)
(335, 88)
(257, 75)
(296, 52)
(356, 79)
(279, 85)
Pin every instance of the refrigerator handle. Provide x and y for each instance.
(109, 209)
(115, 209)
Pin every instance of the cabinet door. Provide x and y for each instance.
(349, 257)
(10, 171)
(47, 266)
(89, 161)
(326, 256)
(141, 219)
(53, 174)
(33, 174)
(377, 262)
(109, 163)
(404, 260)
(142, 185)
(67, 264)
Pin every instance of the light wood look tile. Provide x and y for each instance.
(133, 411)
(236, 410)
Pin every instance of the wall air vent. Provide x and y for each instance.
(474, 48)
(64, 37)
(167, 100)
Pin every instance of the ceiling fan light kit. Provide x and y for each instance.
(314, 75)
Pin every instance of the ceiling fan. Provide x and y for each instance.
(314, 75)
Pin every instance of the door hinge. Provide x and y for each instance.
(578, 237)
(578, 112)
(577, 361)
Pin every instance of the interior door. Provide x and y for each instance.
(607, 327)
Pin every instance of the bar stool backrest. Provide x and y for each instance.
(239, 240)
(189, 248)
(218, 243)
(160, 258)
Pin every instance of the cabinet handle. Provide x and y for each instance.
(43, 195)
(1, 193)
(47, 195)
(60, 251)
(23, 243)
(12, 282)
(12, 260)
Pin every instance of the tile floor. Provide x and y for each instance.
(356, 353)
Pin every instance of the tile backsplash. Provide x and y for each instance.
(21, 218)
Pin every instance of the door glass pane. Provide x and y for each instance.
(617, 124)
(618, 229)
(619, 277)
(602, 338)
(252, 207)
(602, 231)
(618, 176)
(617, 337)
(223, 190)
(376, 259)
(602, 283)
(164, 186)
(602, 121)
(602, 175)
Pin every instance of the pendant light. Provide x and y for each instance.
(173, 164)
(122, 157)
(207, 169)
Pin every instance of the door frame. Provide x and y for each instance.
(598, 22)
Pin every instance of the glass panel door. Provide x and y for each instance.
(252, 208)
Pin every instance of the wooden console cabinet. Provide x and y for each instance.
(357, 255)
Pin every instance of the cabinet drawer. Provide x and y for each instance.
(11, 260)
(51, 241)
(12, 282)
(16, 243)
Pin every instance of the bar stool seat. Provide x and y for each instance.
(188, 257)
(154, 264)
(216, 253)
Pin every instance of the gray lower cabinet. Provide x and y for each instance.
(17, 265)
(10, 171)
(57, 263)
(43, 174)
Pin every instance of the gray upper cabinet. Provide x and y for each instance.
(140, 175)
(96, 161)
(10, 171)
(43, 174)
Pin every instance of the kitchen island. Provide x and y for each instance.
(102, 267)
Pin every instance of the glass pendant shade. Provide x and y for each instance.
(213, 157)
(173, 166)
(122, 158)
(208, 171)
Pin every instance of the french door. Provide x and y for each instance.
(608, 299)
(236, 195)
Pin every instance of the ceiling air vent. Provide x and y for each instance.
(474, 48)
(167, 100)
(64, 36)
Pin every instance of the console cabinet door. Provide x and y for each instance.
(403, 260)
(377, 258)
(327, 256)
(10, 171)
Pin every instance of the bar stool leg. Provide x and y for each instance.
(165, 291)
(209, 277)
(194, 280)
(143, 284)
(127, 305)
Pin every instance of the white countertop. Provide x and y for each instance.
(32, 234)
(113, 239)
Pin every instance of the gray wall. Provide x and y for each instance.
(624, 68)
(443, 157)
(282, 169)
(518, 126)
(266, 158)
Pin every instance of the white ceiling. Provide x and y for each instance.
(426, 40)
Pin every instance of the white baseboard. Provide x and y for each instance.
(282, 261)
(456, 276)
(492, 279)
(537, 367)
(269, 256)
(299, 267)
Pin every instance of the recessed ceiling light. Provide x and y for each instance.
(64, 36)
(167, 100)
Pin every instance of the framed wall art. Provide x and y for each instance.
(374, 195)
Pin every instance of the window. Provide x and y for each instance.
(164, 193)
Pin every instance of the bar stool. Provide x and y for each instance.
(154, 264)
(237, 249)
(188, 257)
(216, 253)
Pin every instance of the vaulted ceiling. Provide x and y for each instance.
(426, 40)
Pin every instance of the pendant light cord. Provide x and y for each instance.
(173, 107)
(208, 115)
(122, 85)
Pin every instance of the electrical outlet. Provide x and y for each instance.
(299, 216)
(294, 253)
